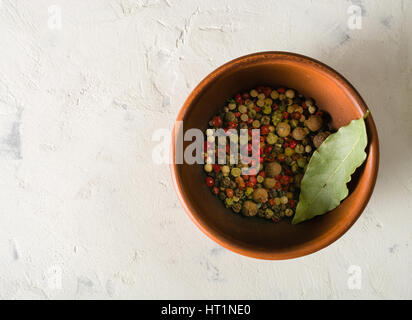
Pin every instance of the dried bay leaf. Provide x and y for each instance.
(323, 186)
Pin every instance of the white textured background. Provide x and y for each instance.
(84, 212)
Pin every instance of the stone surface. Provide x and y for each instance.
(85, 213)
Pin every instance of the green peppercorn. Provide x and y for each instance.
(269, 213)
(239, 193)
(299, 148)
(236, 172)
(267, 110)
(301, 162)
(232, 106)
(229, 202)
(265, 120)
(230, 116)
(271, 138)
(276, 118)
(288, 212)
(249, 191)
(242, 108)
(237, 207)
(256, 124)
(252, 113)
(244, 117)
(294, 123)
(226, 182)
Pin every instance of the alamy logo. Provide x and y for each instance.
(54, 22)
(355, 277)
(215, 146)
(355, 17)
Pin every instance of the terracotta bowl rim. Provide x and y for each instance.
(373, 143)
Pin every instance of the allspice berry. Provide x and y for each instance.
(314, 123)
(298, 133)
(283, 129)
(269, 183)
(273, 169)
(319, 138)
(249, 209)
(260, 195)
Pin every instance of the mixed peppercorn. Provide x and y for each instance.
(291, 128)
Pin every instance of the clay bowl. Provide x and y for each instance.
(256, 237)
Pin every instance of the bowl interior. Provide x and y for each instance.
(255, 236)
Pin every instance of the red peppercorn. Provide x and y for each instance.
(267, 91)
(252, 180)
(293, 144)
(229, 193)
(281, 157)
(284, 180)
(292, 203)
(261, 160)
(210, 182)
(239, 99)
(268, 149)
(281, 90)
(216, 168)
(275, 219)
(245, 178)
(270, 158)
(262, 174)
(260, 89)
(285, 145)
(262, 139)
(285, 115)
(231, 125)
(250, 120)
(278, 177)
(217, 121)
(257, 109)
(237, 114)
(297, 115)
(278, 186)
(242, 187)
(215, 190)
(245, 96)
(264, 129)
